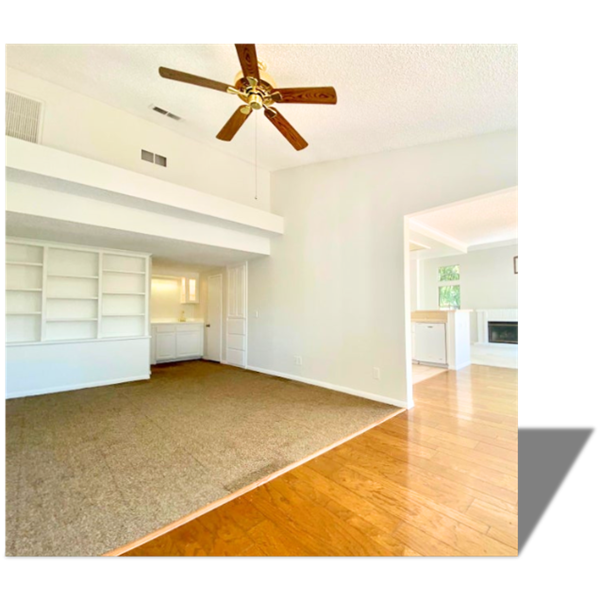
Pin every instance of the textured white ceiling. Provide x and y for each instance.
(487, 220)
(389, 96)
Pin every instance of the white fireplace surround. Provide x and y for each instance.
(493, 314)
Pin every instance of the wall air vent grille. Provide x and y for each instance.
(157, 159)
(23, 117)
(166, 113)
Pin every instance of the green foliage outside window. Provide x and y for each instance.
(449, 296)
(451, 273)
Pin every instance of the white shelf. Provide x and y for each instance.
(125, 272)
(74, 276)
(23, 289)
(120, 337)
(23, 314)
(71, 298)
(126, 315)
(69, 320)
(22, 252)
(24, 264)
(76, 341)
(61, 340)
(23, 328)
(124, 293)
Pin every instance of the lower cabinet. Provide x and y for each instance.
(429, 343)
(165, 345)
(177, 341)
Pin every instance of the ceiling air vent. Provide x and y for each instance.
(164, 112)
(23, 117)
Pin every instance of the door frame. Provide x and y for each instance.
(218, 276)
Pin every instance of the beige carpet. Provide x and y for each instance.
(91, 470)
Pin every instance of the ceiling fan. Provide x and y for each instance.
(257, 89)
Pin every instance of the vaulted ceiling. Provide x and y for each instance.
(389, 96)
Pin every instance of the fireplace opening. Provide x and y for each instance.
(503, 332)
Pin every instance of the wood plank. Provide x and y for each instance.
(509, 455)
(505, 538)
(357, 512)
(316, 521)
(485, 473)
(495, 517)
(440, 480)
(479, 458)
(274, 541)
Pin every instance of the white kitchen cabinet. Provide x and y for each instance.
(166, 346)
(177, 341)
(430, 343)
(189, 344)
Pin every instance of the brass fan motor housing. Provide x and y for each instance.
(257, 93)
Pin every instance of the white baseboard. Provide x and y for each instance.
(69, 388)
(336, 388)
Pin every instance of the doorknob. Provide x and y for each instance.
(208, 324)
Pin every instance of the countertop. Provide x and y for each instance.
(432, 316)
(174, 321)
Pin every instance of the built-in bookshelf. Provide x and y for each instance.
(65, 293)
(124, 295)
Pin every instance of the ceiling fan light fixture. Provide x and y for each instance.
(257, 89)
(255, 101)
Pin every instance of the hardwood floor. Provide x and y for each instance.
(422, 372)
(438, 480)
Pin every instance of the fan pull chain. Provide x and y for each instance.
(256, 155)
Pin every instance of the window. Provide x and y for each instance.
(451, 273)
(449, 287)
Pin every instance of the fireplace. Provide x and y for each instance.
(503, 332)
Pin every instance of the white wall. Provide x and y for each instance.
(333, 289)
(487, 280)
(415, 283)
(80, 125)
(165, 293)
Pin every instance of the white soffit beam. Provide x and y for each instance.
(33, 227)
(40, 165)
(69, 208)
(438, 236)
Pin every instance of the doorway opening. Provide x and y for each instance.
(461, 275)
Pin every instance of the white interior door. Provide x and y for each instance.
(214, 318)
(236, 315)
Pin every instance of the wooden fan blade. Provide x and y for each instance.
(238, 118)
(286, 130)
(193, 79)
(248, 60)
(309, 95)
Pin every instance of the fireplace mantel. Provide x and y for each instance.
(493, 314)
